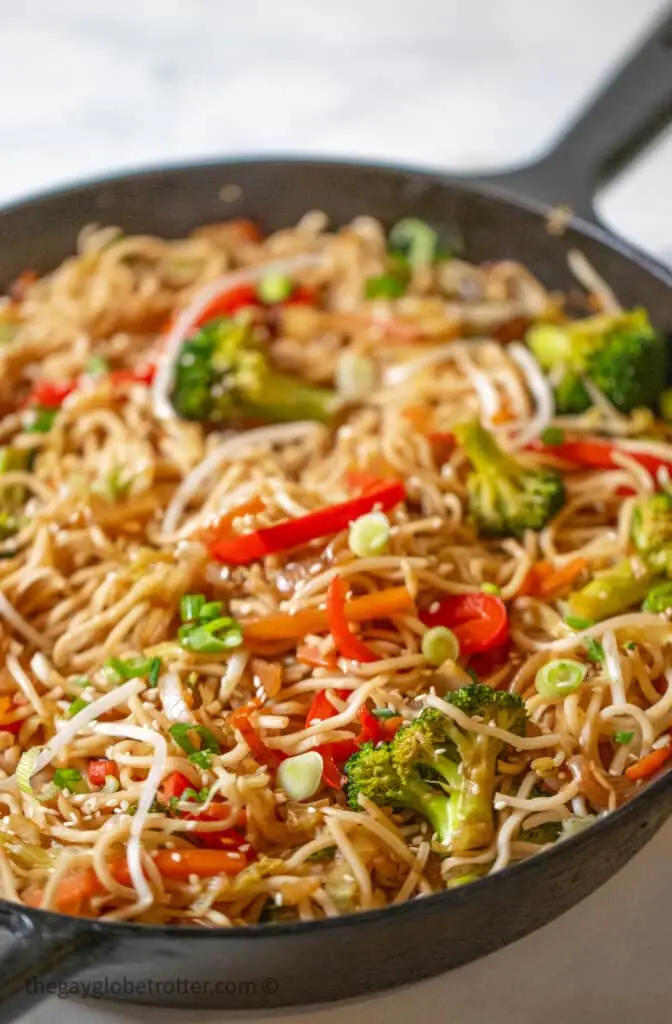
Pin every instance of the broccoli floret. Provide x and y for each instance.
(622, 355)
(571, 395)
(652, 531)
(221, 377)
(475, 753)
(659, 599)
(373, 773)
(444, 772)
(622, 587)
(505, 497)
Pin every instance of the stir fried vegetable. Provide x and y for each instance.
(505, 497)
(222, 377)
(443, 772)
(622, 355)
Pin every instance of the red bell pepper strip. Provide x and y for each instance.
(322, 708)
(293, 533)
(302, 295)
(174, 785)
(51, 394)
(240, 720)
(596, 453)
(230, 838)
(479, 621)
(347, 643)
(331, 773)
(372, 730)
(101, 768)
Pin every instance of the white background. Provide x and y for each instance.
(91, 86)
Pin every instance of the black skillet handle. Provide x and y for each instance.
(629, 111)
(43, 952)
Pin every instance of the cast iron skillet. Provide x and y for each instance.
(292, 964)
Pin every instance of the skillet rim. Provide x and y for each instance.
(503, 192)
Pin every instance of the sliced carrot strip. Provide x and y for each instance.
(379, 605)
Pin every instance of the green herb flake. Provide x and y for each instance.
(623, 737)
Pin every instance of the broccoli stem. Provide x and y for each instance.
(286, 399)
(474, 824)
(434, 805)
(480, 447)
(611, 594)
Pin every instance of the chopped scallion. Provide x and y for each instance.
(490, 588)
(75, 706)
(559, 677)
(190, 606)
(417, 240)
(369, 535)
(355, 375)
(623, 737)
(214, 637)
(26, 768)
(275, 288)
(440, 644)
(301, 776)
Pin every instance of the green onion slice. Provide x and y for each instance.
(417, 239)
(212, 637)
(301, 776)
(440, 644)
(26, 768)
(75, 706)
(559, 677)
(355, 375)
(190, 606)
(275, 288)
(490, 588)
(369, 535)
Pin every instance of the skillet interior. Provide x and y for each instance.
(332, 959)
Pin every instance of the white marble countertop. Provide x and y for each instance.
(89, 88)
